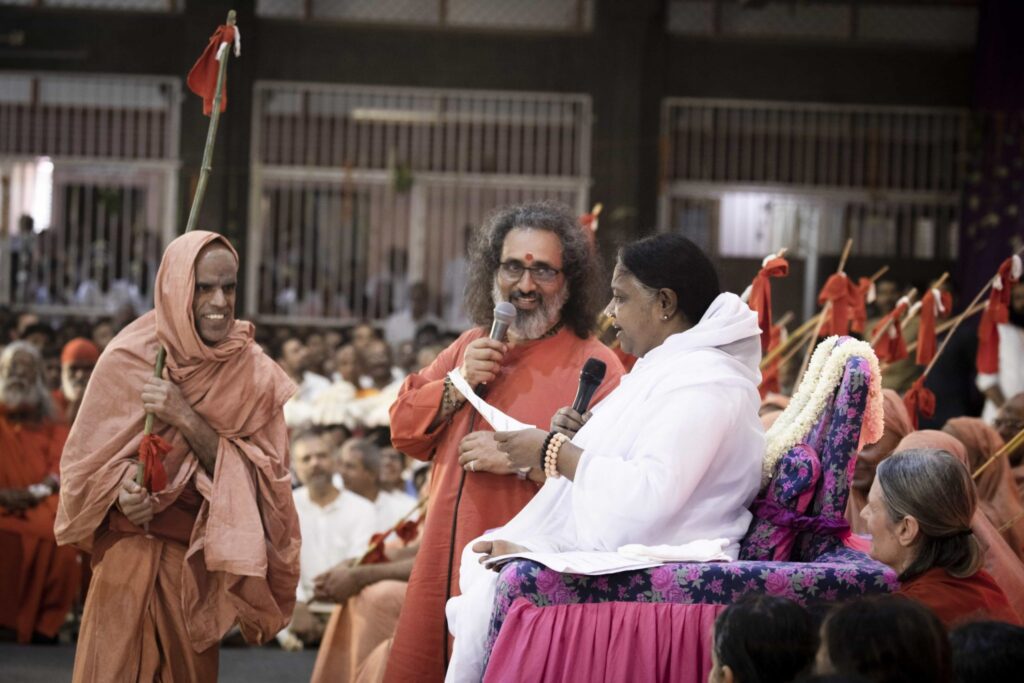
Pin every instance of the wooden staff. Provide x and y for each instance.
(1016, 518)
(784, 320)
(961, 318)
(942, 327)
(1009, 447)
(824, 314)
(879, 273)
(910, 296)
(796, 337)
(422, 504)
(193, 216)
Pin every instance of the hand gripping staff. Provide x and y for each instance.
(206, 79)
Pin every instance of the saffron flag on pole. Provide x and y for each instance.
(202, 79)
(997, 311)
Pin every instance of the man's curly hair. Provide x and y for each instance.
(580, 265)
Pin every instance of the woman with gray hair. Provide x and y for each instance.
(919, 514)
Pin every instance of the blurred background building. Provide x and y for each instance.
(363, 138)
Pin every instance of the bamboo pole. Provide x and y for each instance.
(794, 337)
(1009, 447)
(910, 296)
(1013, 520)
(797, 335)
(421, 505)
(784, 320)
(193, 216)
(942, 327)
(960, 319)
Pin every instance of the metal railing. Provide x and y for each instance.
(88, 189)
(745, 178)
(359, 191)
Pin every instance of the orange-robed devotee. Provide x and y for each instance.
(38, 579)
(222, 543)
(538, 259)
(537, 378)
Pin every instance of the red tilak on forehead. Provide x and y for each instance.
(529, 256)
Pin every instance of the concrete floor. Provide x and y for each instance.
(54, 663)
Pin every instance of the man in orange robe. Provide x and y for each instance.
(176, 566)
(77, 360)
(538, 258)
(38, 579)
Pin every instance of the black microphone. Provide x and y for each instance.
(590, 379)
(504, 315)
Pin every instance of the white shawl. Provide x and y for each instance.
(673, 455)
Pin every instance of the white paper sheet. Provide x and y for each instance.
(577, 562)
(497, 419)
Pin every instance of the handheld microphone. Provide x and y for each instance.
(504, 315)
(590, 379)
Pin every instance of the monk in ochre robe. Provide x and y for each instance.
(77, 360)
(997, 491)
(175, 567)
(38, 579)
(537, 258)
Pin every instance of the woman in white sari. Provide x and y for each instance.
(670, 457)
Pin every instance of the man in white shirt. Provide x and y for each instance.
(370, 596)
(291, 354)
(379, 390)
(335, 525)
(359, 464)
(401, 326)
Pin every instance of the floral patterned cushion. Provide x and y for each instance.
(838, 575)
(770, 537)
(835, 439)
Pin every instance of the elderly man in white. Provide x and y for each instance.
(671, 457)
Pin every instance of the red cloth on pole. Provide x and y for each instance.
(891, 346)
(761, 296)
(933, 305)
(919, 400)
(151, 454)
(860, 305)
(996, 312)
(842, 293)
(202, 79)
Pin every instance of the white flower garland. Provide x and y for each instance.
(825, 372)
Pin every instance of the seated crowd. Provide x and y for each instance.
(955, 541)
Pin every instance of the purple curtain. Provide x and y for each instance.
(992, 222)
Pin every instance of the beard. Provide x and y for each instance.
(533, 324)
(72, 389)
(24, 399)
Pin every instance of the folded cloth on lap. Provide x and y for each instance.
(703, 550)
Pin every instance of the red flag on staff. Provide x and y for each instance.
(865, 295)
(919, 399)
(891, 346)
(996, 312)
(934, 304)
(151, 454)
(842, 293)
(761, 295)
(202, 79)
